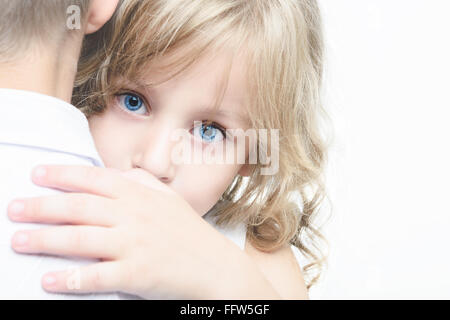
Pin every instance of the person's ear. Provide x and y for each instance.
(100, 11)
(245, 170)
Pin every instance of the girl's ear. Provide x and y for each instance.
(100, 11)
(245, 170)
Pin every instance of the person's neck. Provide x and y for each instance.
(52, 74)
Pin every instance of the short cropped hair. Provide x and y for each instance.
(34, 21)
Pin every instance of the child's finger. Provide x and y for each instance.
(99, 277)
(65, 208)
(95, 180)
(79, 241)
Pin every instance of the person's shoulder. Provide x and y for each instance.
(281, 269)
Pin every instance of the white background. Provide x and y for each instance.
(387, 89)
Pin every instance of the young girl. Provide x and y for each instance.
(205, 66)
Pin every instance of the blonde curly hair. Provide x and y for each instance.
(284, 47)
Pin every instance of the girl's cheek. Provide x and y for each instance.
(202, 186)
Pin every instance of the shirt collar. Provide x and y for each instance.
(37, 120)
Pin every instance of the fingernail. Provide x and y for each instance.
(16, 208)
(40, 172)
(20, 239)
(49, 280)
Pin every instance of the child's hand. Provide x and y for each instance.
(150, 241)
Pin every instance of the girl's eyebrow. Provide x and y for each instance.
(226, 113)
(138, 84)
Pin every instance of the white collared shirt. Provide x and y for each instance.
(37, 129)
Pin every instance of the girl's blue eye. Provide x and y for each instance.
(132, 103)
(209, 132)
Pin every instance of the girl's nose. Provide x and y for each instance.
(154, 156)
(157, 164)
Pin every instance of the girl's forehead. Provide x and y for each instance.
(219, 67)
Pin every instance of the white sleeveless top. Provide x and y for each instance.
(238, 236)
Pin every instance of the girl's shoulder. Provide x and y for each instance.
(282, 268)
